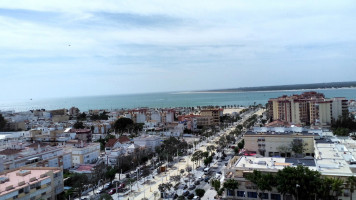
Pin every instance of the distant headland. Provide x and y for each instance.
(311, 86)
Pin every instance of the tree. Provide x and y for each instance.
(197, 156)
(330, 188)
(283, 149)
(299, 181)
(105, 197)
(231, 184)
(351, 184)
(110, 173)
(210, 148)
(298, 146)
(78, 125)
(122, 123)
(175, 178)
(78, 182)
(3, 123)
(82, 116)
(200, 192)
(216, 184)
(222, 141)
(163, 187)
(262, 181)
(241, 144)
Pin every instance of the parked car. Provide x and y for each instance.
(185, 187)
(192, 187)
(175, 196)
(191, 196)
(186, 193)
(206, 179)
(196, 197)
(197, 182)
(121, 186)
(99, 191)
(112, 191)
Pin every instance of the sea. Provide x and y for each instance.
(163, 100)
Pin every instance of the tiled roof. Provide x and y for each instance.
(111, 142)
(124, 139)
(10, 151)
(35, 145)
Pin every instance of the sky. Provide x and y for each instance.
(93, 47)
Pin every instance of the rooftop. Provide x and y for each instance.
(20, 178)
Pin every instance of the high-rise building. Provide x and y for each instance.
(307, 108)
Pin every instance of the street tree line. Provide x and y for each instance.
(299, 182)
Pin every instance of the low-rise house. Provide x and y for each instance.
(148, 141)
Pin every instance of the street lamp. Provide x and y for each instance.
(297, 186)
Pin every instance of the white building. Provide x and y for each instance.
(148, 141)
(84, 153)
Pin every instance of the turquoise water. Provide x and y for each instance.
(163, 100)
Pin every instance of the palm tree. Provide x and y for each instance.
(231, 184)
(351, 184)
(263, 182)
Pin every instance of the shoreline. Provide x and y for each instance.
(237, 91)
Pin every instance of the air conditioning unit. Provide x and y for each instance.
(21, 183)
(10, 187)
(43, 175)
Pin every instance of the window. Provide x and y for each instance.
(44, 193)
(275, 196)
(241, 193)
(252, 194)
(263, 195)
(230, 193)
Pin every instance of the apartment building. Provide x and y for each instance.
(334, 158)
(31, 183)
(83, 153)
(36, 155)
(279, 143)
(307, 108)
(214, 113)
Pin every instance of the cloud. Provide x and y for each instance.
(165, 45)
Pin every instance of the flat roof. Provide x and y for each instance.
(25, 175)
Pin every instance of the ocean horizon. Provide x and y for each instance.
(163, 100)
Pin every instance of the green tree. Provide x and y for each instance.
(298, 146)
(163, 187)
(78, 125)
(110, 173)
(78, 181)
(200, 192)
(122, 123)
(298, 181)
(3, 123)
(351, 185)
(82, 116)
(216, 184)
(197, 156)
(231, 184)
(105, 197)
(262, 181)
(330, 188)
(241, 144)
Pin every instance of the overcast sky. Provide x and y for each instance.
(88, 47)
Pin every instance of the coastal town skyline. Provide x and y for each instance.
(100, 48)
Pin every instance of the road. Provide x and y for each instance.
(148, 188)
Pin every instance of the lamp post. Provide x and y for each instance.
(297, 186)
